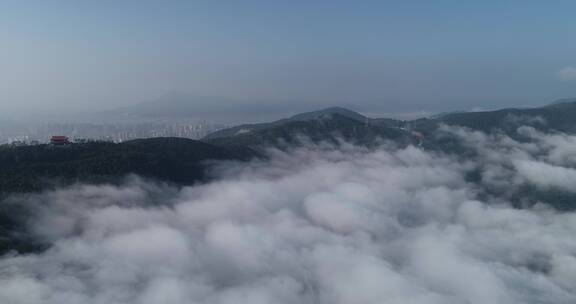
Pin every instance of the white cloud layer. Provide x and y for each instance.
(314, 226)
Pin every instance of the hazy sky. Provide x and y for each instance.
(391, 56)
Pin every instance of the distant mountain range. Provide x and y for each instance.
(27, 168)
(557, 116)
(333, 124)
(179, 160)
(329, 125)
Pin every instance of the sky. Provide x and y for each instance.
(379, 56)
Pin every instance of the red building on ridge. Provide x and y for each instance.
(59, 140)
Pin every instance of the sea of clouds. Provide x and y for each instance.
(316, 225)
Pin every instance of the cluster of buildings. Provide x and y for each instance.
(59, 140)
(55, 140)
(41, 134)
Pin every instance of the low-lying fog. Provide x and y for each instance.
(315, 225)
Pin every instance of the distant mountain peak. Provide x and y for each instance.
(327, 113)
(563, 102)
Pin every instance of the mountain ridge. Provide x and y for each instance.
(180, 161)
(559, 116)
